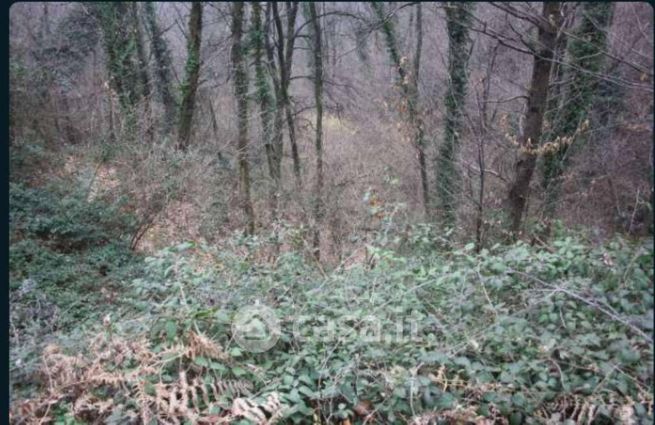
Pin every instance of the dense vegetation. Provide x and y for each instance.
(331, 213)
(512, 332)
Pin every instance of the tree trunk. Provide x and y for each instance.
(163, 68)
(458, 15)
(410, 94)
(192, 71)
(276, 145)
(285, 61)
(318, 99)
(585, 51)
(143, 71)
(241, 93)
(537, 98)
(266, 107)
(120, 50)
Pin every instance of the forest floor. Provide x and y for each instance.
(425, 331)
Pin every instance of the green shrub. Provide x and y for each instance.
(67, 257)
(515, 331)
(66, 220)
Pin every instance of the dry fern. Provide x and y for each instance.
(585, 410)
(126, 369)
(267, 413)
(458, 415)
(201, 345)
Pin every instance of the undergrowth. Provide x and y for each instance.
(513, 334)
(69, 258)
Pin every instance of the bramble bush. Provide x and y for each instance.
(514, 334)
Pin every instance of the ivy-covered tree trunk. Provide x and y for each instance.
(144, 79)
(317, 48)
(278, 123)
(458, 17)
(192, 72)
(585, 55)
(163, 68)
(265, 99)
(120, 50)
(534, 116)
(241, 94)
(409, 91)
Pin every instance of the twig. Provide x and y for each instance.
(602, 309)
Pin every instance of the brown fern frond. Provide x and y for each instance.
(201, 345)
(267, 413)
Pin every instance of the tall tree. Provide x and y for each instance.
(120, 50)
(458, 17)
(317, 62)
(276, 148)
(192, 72)
(409, 88)
(163, 67)
(548, 27)
(585, 53)
(144, 79)
(285, 48)
(241, 94)
(266, 103)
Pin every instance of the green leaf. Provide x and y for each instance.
(171, 330)
(629, 356)
(463, 361)
(307, 391)
(239, 371)
(217, 366)
(201, 361)
(445, 401)
(287, 380)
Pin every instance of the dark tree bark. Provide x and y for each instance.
(317, 48)
(241, 93)
(285, 48)
(162, 69)
(534, 116)
(192, 71)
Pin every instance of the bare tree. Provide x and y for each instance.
(409, 91)
(285, 48)
(317, 47)
(241, 93)
(548, 26)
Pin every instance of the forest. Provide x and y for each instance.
(331, 213)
